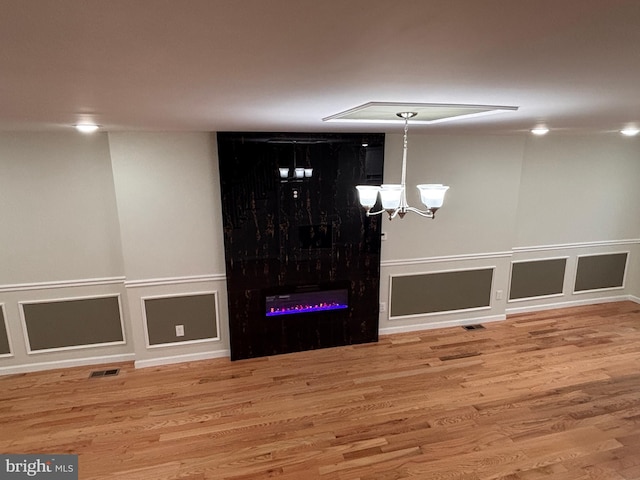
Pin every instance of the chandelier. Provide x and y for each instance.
(393, 197)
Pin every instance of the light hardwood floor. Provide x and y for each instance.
(548, 395)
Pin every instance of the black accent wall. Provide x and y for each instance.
(310, 234)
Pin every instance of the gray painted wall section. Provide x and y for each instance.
(537, 278)
(440, 292)
(600, 271)
(58, 208)
(168, 196)
(146, 206)
(578, 189)
(480, 208)
(196, 313)
(73, 323)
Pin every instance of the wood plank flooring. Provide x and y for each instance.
(547, 395)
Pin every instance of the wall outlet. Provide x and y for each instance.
(383, 307)
(383, 236)
(179, 330)
(498, 294)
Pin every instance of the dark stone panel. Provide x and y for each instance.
(294, 233)
(537, 278)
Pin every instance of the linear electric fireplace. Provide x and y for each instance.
(306, 300)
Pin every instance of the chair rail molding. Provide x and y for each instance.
(86, 282)
(154, 282)
(568, 246)
(445, 258)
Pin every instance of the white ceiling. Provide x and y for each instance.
(283, 65)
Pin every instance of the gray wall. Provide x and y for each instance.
(579, 189)
(168, 200)
(480, 208)
(129, 214)
(137, 214)
(513, 199)
(58, 211)
(537, 278)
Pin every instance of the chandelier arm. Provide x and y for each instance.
(392, 214)
(372, 214)
(423, 213)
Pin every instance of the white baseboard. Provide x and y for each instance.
(441, 324)
(573, 303)
(634, 298)
(189, 357)
(80, 362)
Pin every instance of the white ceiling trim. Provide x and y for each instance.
(426, 113)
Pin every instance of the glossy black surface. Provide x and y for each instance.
(299, 233)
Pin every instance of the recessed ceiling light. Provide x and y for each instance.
(87, 127)
(540, 130)
(630, 131)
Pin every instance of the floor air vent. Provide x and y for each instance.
(105, 373)
(473, 327)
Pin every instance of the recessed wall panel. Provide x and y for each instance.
(600, 271)
(440, 292)
(195, 313)
(73, 323)
(5, 348)
(537, 278)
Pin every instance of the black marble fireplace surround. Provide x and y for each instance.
(299, 240)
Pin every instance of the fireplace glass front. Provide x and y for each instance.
(306, 302)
